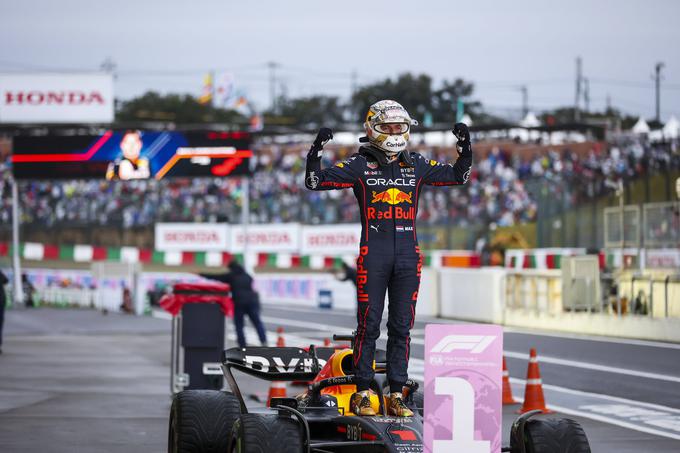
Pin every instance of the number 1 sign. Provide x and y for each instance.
(463, 388)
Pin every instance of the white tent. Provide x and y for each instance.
(466, 119)
(672, 128)
(641, 127)
(530, 120)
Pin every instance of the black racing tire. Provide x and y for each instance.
(555, 435)
(256, 433)
(418, 402)
(201, 421)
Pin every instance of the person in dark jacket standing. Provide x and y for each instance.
(3, 301)
(348, 274)
(246, 300)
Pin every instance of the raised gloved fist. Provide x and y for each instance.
(324, 135)
(462, 133)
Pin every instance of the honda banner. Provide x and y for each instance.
(192, 237)
(463, 388)
(282, 237)
(56, 98)
(331, 238)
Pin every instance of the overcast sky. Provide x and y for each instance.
(499, 45)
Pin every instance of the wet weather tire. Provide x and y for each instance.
(555, 435)
(254, 433)
(201, 421)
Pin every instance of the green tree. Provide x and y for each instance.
(417, 94)
(176, 108)
(307, 112)
(445, 101)
(414, 92)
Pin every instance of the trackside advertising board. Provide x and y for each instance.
(56, 98)
(463, 388)
(282, 237)
(222, 237)
(189, 237)
(331, 238)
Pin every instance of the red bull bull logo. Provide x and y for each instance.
(391, 196)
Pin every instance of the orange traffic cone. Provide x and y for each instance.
(507, 390)
(533, 391)
(280, 342)
(276, 390)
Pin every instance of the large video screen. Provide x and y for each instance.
(131, 154)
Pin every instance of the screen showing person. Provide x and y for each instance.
(130, 165)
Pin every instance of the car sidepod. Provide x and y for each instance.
(389, 434)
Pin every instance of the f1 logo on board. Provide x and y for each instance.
(476, 344)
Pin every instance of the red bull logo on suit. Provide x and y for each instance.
(396, 212)
(392, 196)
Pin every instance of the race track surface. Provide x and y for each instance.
(81, 381)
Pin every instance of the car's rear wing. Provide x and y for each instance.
(278, 364)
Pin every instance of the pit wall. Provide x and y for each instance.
(480, 295)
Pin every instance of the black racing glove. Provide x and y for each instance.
(462, 133)
(325, 134)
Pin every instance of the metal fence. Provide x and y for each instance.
(101, 298)
(613, 225)
(661, 224)
(656, 225)
(538, 291)
(563, 221)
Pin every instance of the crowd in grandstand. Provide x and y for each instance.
(502, 189)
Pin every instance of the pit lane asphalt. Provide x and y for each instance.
(80, 381)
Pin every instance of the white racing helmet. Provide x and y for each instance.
(387, 126)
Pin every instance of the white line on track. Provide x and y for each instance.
(615, 399)
(603, 418)
(611, 421)
(517, 355)
(594, 366)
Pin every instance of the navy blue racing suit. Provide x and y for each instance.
(389, 256)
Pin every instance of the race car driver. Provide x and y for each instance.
(387, 180)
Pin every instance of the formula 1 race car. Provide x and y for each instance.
(319, 420)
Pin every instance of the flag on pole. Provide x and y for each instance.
(207, 91)
(224, 89)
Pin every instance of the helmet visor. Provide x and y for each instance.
(391, 128)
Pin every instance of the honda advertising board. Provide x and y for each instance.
(331, 238)
(56, 98)
(463, 388)
(283, 237)
(192, 237)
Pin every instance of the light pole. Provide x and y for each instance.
(619, 191)
(17, 290)
(657, 82)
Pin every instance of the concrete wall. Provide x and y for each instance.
(428, 294)
(479, 295)
(472, 294)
